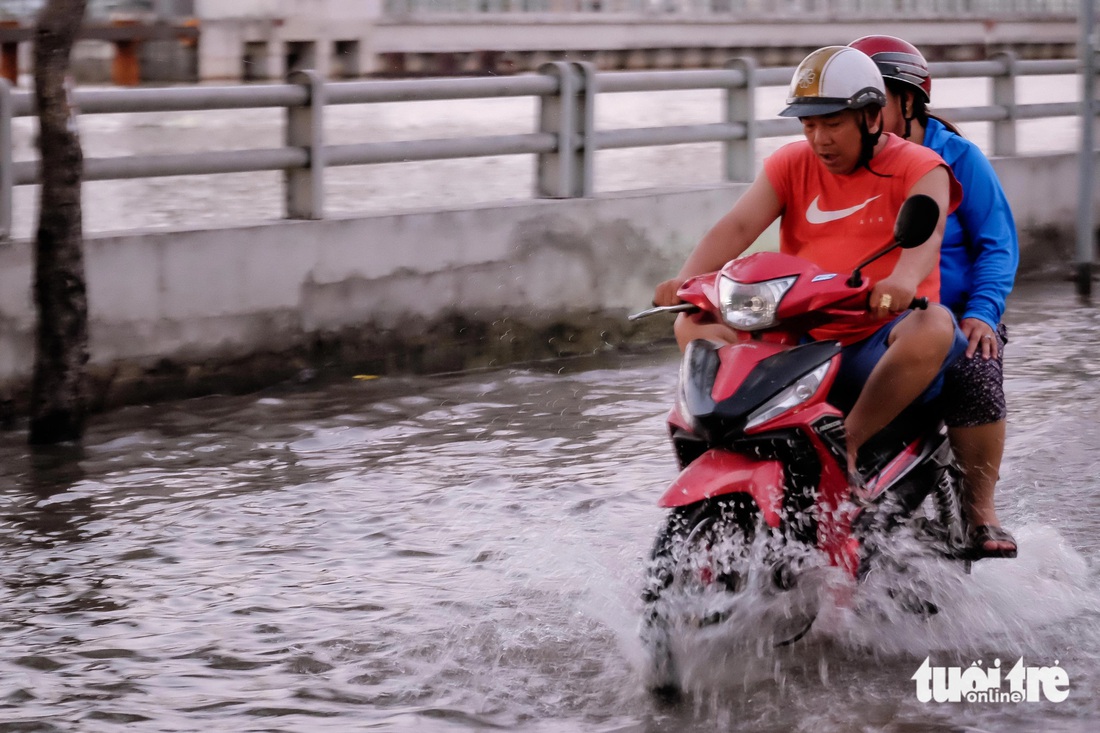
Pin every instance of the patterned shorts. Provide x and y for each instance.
(973, 389)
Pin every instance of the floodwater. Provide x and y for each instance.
(225, 200)
(465, 553)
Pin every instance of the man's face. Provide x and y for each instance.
(835, 139)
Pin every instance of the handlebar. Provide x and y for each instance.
(920, 303)
(678, 308)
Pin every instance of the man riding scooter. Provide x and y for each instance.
(837, 194)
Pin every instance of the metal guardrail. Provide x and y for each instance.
(565, 140)
(746, 9)
(752, 9)
(95, 9)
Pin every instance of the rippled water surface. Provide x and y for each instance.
(465, 553)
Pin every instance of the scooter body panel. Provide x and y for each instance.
(720, 472)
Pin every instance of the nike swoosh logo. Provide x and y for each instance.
(815, 215)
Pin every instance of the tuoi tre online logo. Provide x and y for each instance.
(979, 684)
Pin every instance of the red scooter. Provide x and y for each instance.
(764, 478)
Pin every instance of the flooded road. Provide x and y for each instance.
(465, 553)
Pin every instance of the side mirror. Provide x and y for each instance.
(916, 221)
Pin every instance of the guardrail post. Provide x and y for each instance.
(560, 173)
(586, 119)
(1085, 249)
(1004, 95)
(7, 175)
(741, 108)
(305, 187)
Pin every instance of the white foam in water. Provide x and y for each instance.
(1002, 607)
(1002, 603)
(740, 653)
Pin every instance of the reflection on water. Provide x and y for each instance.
(465, 553)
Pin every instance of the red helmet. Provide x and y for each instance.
(898, 60)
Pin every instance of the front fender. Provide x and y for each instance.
(719, 472)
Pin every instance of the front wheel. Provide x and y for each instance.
(701, 550)
(706, 557)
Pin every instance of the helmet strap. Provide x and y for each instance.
(907, 113)
(868, 140)
(912, 105)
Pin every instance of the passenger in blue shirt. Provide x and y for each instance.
(978, 261)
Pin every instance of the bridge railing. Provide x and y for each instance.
(27, 9)
(564, 139)
(753, 9)
(748, 9)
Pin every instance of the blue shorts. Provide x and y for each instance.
(858, 359)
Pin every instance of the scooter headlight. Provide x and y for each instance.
(698, 368)
(794, 395)
(752, 306)
(682, 406)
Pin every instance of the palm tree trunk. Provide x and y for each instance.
(58, 396)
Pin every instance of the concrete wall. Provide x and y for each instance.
(289, 9)
(1043, 192)
(265, 39)
(518, 42)
(279, 36)
(609, 32)
(180, 313)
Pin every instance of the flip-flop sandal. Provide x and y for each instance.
(984, 533)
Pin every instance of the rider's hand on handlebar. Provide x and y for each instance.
(890, 296)
(665, 294)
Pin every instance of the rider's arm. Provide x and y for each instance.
(757, 208)
(915, 264)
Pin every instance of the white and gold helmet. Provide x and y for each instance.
(834, 78)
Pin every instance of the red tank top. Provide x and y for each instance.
(837, 221)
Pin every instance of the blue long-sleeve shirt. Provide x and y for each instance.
(980, 251)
